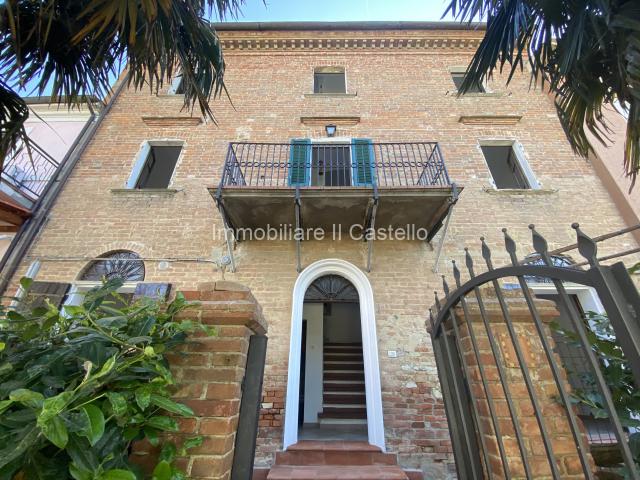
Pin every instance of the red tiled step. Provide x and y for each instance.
(359, 454)
(334, 445)
(331, 472)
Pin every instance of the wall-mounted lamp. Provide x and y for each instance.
(330, 129)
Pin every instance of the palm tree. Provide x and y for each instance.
(76, 47)
(586, 52)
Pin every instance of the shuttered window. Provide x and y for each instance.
(299, 162)
(40, 292)
(362, 161)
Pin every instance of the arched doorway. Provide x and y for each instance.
(342, 280)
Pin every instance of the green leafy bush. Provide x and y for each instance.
(77, 387)
(618, 377)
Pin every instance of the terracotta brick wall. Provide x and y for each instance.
(401, 91)
(209, 372)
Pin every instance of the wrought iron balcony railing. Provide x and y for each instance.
(29, 174)
(360, 163)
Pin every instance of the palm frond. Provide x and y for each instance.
(75, 49)
(13, 113)
(587, 52)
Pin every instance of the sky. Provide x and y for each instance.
(342, 10)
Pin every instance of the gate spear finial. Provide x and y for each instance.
(456, 273)
(510, 246)
(586, 246)
(540, 244)
(469, 262)
(445, 287)
(486, 253)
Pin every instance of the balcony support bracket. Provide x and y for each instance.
(452, 202)
(370, 226)
(297, 234)
(229, 231)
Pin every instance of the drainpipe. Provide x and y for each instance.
(29, 230)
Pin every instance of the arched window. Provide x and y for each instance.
(556, 261)
(331, 288)
(122, 264)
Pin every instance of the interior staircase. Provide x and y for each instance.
(344, 400)
(335, 460)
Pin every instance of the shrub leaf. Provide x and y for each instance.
(95, 427)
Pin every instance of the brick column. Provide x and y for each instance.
(553, 412)
(209, 373)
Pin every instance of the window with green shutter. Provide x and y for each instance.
(299, 162)
(362, 162)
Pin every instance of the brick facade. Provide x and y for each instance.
(400, 87)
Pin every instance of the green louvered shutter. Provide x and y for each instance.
(362, 160)
(299, 162)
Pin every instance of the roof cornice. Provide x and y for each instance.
(346, 26)
(340, 36)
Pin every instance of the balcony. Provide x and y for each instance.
(335, 185)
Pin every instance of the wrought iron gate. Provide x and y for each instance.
(508, 396)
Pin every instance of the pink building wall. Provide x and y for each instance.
(608, 163)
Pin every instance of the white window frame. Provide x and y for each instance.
(587, 296)
(621, 109)
(175, 84)
(79, 288)
(520, 156)
(313, 79)
(142, 155)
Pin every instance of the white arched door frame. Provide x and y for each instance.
(375, 425)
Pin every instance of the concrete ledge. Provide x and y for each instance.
(338, 95)
(518, 191)
(172, 121)
(454, 93)
(489, 119)
(144, 191)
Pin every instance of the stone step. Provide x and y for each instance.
(328, 366)
(355, 344)
(343, 357)
(330, 398)
(346, 350)
(359, 376)
(343, 412)
(349, 422)
(344, 370)
(331, 472)
(339, 386)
